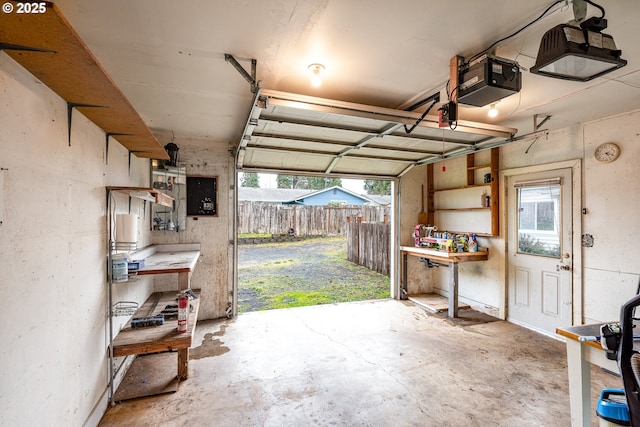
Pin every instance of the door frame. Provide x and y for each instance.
(576, 235)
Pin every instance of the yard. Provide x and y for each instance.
(308, 272)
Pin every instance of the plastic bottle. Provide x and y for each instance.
(473, 243)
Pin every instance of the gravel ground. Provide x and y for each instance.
(277, 275)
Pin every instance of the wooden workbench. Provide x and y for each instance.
(452, 259)
(177, 259)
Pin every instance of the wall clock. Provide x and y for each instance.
(607, 152)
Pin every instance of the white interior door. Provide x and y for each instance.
(539, 246)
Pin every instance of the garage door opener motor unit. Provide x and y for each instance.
(488, 79)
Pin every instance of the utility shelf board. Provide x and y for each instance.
(158, 197)
(156, 339)
(462, 187)
(485, 166)
(67, 66)
(462, 209)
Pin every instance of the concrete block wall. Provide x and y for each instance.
(213, 273)
(53, 243)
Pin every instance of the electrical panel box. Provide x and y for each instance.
(488, 79)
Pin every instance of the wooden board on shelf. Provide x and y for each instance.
(153, 194)
(149, 375)
(156, 339)
(434, 302)
(70, 69)
(163, 199)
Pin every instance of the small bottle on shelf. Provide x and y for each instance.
(183, 303)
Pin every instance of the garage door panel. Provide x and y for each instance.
(291, 132)
(368, 167)
(270, 159)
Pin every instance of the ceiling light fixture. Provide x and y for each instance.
(316, 71)
(493, 111)
(578, 53)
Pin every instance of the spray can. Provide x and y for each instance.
(183, 303)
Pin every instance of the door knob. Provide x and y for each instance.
(565, 255)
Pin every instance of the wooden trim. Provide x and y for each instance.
(495, 192)
(431, 212)
(471, 174)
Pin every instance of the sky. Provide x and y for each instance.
(268, 180)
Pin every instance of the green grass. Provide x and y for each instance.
(296, 282)
(254, 235)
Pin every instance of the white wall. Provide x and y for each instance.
(53, 292)
(213, 273)
(611, 194)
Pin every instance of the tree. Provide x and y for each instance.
(307, 182)
(376, 187)
(250, 180)
(292, 181)
(316, 183)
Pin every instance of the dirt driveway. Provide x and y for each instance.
(308, 272)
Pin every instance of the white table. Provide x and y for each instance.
(580, 356)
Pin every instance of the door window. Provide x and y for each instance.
(538, 218)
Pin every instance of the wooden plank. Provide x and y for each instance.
(445, 257)
(72, 71)
(471, 175)
(434, 302)
(495, 192)
(156, 338)
(149, 375)
(167, 200)
(183, 364)
(431, 213)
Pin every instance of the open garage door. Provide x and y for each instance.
(297, 134)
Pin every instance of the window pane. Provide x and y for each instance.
(538, 219)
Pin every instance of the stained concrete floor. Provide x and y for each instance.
(375, 363)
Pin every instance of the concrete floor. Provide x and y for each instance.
(377, 363)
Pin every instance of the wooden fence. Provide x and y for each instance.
(368, 244)
(269, 218)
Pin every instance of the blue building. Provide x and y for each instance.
(333, 196)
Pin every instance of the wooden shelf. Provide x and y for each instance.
(459, 188)
(67, 66)
(493, 223)
(155, 339)
(485, 166)
(157, 196)
(462, 209)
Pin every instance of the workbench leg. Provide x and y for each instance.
(453, 289)
(184, 281)
(579, 370)
(183, 364)
(404, 293)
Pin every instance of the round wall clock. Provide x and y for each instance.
(607, 152)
